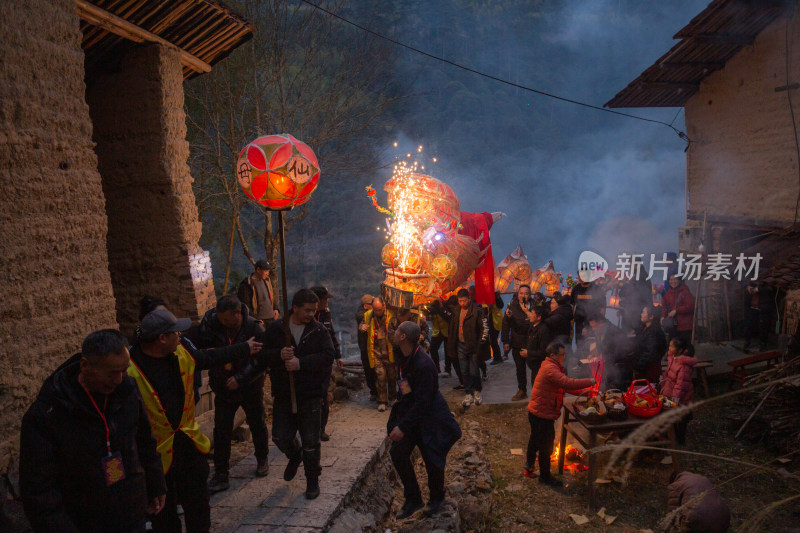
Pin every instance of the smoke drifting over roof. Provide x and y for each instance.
(569, 178)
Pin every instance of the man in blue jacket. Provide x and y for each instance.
(422, 419)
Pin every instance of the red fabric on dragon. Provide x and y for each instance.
(477, 226)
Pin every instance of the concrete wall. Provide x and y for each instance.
(54, 280)
(744, 162)
(140, 130)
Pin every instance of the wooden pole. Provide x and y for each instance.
(696, 310)
(286, 327)
(727, 309)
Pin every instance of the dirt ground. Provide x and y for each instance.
(522, 504)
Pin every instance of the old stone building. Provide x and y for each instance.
(97, 208)
(735, 71)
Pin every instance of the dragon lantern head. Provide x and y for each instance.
(429, 252)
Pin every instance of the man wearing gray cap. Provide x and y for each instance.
(164, 371)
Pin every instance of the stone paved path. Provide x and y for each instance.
(499, 388)
(271, 504)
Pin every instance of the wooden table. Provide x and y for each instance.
(626, 426)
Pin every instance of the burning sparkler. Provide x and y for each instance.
(430, 252)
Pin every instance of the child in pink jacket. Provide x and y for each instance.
(677, 382)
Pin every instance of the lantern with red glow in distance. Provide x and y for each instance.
(278, 171)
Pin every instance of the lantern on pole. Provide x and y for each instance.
(279, 173)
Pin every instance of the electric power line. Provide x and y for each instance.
(681, 134)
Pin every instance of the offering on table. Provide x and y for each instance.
(644, 402)
(667, 403)
(591, 409)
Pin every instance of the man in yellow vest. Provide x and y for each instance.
(164, 372)
(380, 352)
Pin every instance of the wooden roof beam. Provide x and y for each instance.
(119, 26)
(723, 38)
(670, 65)
(669, 85)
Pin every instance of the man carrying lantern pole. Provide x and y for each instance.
(280, 173)
(299, 373)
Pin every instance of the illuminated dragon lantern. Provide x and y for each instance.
(433, 246)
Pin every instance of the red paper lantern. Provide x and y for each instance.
(278, 171)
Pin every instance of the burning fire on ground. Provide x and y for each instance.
(571, 454)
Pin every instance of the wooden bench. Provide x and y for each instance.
(700, 370)
(739, 366)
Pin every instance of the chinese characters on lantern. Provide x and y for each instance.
(716, 266)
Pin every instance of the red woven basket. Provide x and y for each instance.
(651, 396)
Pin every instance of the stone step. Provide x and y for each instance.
(358, 439)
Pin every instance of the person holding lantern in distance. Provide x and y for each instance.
(516, 326)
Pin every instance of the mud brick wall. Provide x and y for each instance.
(55, 286)
(744, 161)
(140, 130)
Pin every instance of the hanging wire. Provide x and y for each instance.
(680, 133)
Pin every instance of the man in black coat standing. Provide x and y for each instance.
(538, 338)
(609, 342)
(559, 321)
(422, 419)
(651, 346)
(516, 325)
(324, 317)
(309, 357)
(237, 383)
(88, 461)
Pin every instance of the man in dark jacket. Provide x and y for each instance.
(323, 316)
(651, 346)
(609, 342)
(538, 339)
(235, 384)
(405, 315)
(421, 418)
(559, 321)
(308, 356)
(759, 314)
(468, 331)
(516, 324)
(587, 297)
(255, 291)
(369, 372)
(634, 294)
(88, 461)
